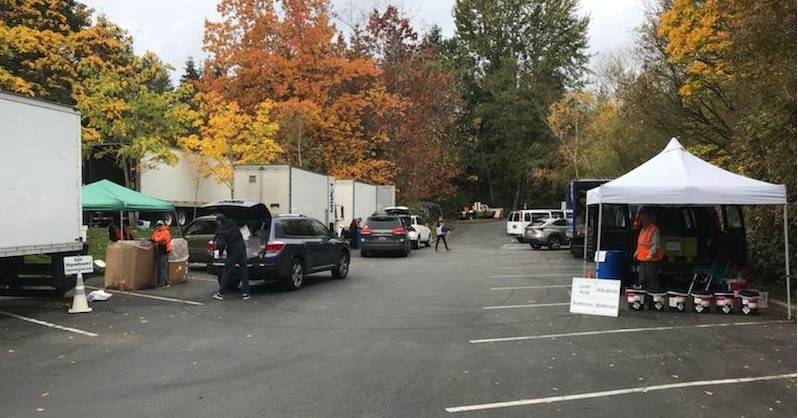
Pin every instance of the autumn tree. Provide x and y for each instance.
(227, 135)
(36, 40)
(423, 144)
(332, 108)
(128, 114)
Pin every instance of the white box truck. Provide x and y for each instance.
(286, 189)
(354, 199)
(386, 196)
(40, 204)
(182, 184)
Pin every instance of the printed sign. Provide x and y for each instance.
(595, 296)
(79, 264)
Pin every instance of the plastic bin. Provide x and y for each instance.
(612, 267)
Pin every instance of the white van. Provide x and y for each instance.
(517, 220)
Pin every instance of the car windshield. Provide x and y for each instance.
(383, 222)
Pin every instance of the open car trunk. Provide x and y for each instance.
(255, 216)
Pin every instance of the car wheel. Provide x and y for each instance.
(296, 276)
(342, 268)
(535, 246)
(554, 243)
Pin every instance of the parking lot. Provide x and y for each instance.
(483, 330)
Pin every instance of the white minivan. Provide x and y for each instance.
(518, 220)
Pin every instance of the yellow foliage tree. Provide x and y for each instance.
(698, 37)
(227, 135)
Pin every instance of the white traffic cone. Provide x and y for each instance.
(79, 302)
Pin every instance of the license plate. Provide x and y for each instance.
(382, 238)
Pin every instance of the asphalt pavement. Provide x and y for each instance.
(483, 330)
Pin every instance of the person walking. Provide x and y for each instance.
(229, 240)
(162, 239)
(648, 253)
(354, 233)
(441, 230)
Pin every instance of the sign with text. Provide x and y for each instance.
(595, 296)
(79, 264)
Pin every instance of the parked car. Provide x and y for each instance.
(549, 232)
(282, 247)
(518, 220)
(417, 231)
(199, 233)
(384, 233)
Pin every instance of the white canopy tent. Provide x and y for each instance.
(676, 177)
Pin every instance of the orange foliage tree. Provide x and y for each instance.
(334, 112)
(424, 142)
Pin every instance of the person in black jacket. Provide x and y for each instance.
(228, 239)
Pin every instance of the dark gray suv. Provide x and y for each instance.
(282, 247)
(384, 233)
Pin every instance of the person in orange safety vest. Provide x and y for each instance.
(162, 239)
(648, 253)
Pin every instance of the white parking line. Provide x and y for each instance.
(530, 287)
(532, 276)
(623, 331)
(532, 305)
(141, 295)
(547, 267)
(616, 392)
(49, 324)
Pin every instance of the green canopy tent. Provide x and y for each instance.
(107, 196)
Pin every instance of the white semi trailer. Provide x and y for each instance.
(182, 184)
(386, 196)
(353, 200)
(286, 189)
(40, 202)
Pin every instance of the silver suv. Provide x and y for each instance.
(548, 232)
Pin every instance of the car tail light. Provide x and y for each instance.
(366, 230)
(399, 230)
(274, 247)
(209, 246)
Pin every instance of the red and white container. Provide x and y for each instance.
(636, 299)
(749, 300)
(701, 301)
(677, 300)
(658, 300)
(724, 301)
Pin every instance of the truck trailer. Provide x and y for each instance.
(353, 200)
(40, 183)
(182, 184)
(286, 189)
(386, 196)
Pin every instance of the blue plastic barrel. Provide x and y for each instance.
(613, 265)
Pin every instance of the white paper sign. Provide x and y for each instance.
(595, 296)
(601, 256)
(79, 264)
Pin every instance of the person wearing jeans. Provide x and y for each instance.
(229, 240)
(441, 230)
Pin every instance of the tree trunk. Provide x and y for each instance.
(517, 193)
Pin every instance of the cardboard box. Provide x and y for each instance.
(178, 272)
(130, 265)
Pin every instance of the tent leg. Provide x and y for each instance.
(598, 240)
(584, 240)
(787, 264)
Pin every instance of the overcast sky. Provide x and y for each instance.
(173, 28)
